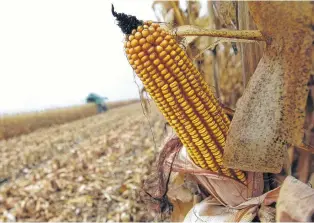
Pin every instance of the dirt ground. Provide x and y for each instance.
(86, 170)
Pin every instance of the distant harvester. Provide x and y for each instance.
(98, 100)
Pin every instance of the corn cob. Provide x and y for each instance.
(181, 94)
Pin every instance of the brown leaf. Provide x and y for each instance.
(270, 114)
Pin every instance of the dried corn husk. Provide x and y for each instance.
(295, 202)
(267, 214)
(240, 203)
(210, 211)
(270, 114)
(181, 198)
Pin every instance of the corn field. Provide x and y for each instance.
(77, 171)
(24, 123)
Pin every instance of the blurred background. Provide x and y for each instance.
(54, 53)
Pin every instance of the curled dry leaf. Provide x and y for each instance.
(270, 114)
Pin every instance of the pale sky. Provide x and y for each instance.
(53, 53)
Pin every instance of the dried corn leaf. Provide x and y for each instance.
(250, 53)
(226, 11)
(270, 113)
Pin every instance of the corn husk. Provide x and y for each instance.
(241, 203)
(295, 202)
(270, 114)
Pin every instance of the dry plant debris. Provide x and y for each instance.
(87, 170)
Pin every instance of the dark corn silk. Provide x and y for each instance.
(181, 94)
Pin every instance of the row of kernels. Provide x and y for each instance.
(184, 81)
(201, 144)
